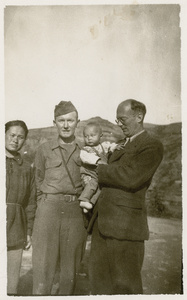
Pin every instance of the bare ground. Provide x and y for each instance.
(162, 268)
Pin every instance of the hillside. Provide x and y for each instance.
(164, 197)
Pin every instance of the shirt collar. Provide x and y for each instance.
(134, 136)
(55, 144)
(17, 158)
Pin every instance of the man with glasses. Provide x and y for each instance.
(120, 228)
(59, 233)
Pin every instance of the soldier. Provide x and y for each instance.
(59, 233)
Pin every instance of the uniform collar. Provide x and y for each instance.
(17, 158)
(55, 144)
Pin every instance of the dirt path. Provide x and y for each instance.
(161, 273)
(162, 264)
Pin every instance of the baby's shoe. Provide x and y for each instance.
(86, 206)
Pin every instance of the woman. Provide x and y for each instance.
(20, 199)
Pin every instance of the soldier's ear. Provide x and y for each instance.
(54, 123)
(77, 122)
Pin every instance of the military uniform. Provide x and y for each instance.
(59, 233)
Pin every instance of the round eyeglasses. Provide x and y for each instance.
(120, 121)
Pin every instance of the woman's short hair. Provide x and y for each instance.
(17, 123)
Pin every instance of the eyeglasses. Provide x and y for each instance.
(120, 121)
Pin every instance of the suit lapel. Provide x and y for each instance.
(130, 146)
(118, 153)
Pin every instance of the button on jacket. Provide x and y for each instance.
(21, 200)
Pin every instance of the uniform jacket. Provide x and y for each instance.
(20, 199)
(51, 175)
(124, 181)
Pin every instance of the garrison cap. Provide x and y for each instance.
(63, 108)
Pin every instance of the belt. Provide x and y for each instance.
(63, 197)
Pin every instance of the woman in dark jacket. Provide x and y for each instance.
(20, 200)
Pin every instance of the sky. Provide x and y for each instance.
(95, 56)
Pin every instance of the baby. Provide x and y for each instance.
(92, 135)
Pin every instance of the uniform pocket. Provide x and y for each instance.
(129, 203)
(53, 163)
(53, 171)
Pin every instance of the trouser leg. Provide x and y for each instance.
(115, 266)
(14, 258)
(95, 196)
(45, 247)
(72, 245)
(89, 190)
(126, 259)
(99, 269)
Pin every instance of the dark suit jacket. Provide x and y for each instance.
(121, 205)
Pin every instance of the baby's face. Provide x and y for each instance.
(92, 136)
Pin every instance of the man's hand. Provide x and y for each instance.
(119, 147)
(28, 243)
(88, 158)
(101, 162)
(103, 158)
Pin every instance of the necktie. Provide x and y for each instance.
(126, 141)
(122, 145)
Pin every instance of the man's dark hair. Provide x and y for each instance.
(93, 124)
(16, 123)
(138, 106)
